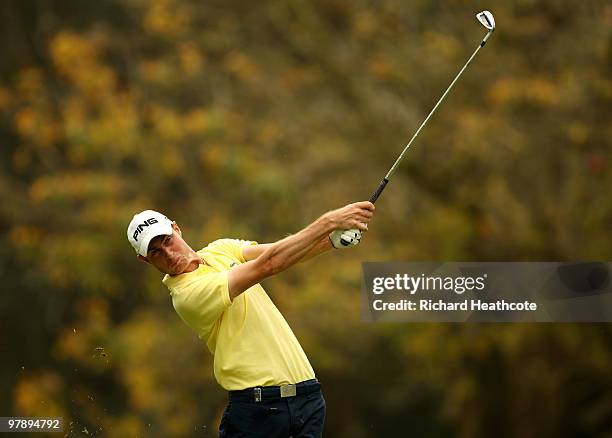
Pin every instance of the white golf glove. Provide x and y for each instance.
(345, 238)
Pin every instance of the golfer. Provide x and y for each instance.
(273, 391)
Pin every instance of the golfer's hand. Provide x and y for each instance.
(345, 238)
(350, 221)
(352, 217)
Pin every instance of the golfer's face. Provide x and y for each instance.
(169, 254)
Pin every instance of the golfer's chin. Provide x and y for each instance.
(177, 267)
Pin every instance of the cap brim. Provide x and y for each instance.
(162, 229)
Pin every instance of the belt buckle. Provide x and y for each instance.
(257, 393)
(288, 391)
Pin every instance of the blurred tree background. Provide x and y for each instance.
(248, 121)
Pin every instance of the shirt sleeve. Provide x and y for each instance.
(201, 302)
(232, 247)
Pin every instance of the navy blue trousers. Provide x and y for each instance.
(301, 416)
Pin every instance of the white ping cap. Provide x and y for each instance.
(144, 227)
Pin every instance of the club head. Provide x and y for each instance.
(486, 19)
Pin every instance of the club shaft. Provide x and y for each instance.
(386, 179)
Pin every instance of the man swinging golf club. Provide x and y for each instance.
(272, 387)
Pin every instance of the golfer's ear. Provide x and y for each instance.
(176, 228)
(143, 259)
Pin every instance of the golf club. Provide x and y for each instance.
(487, 20)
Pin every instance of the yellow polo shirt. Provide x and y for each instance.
(251, 342)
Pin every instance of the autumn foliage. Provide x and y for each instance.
(248, 121)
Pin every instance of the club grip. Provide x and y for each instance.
(379, 190)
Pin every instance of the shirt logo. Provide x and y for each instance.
(233, 264)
